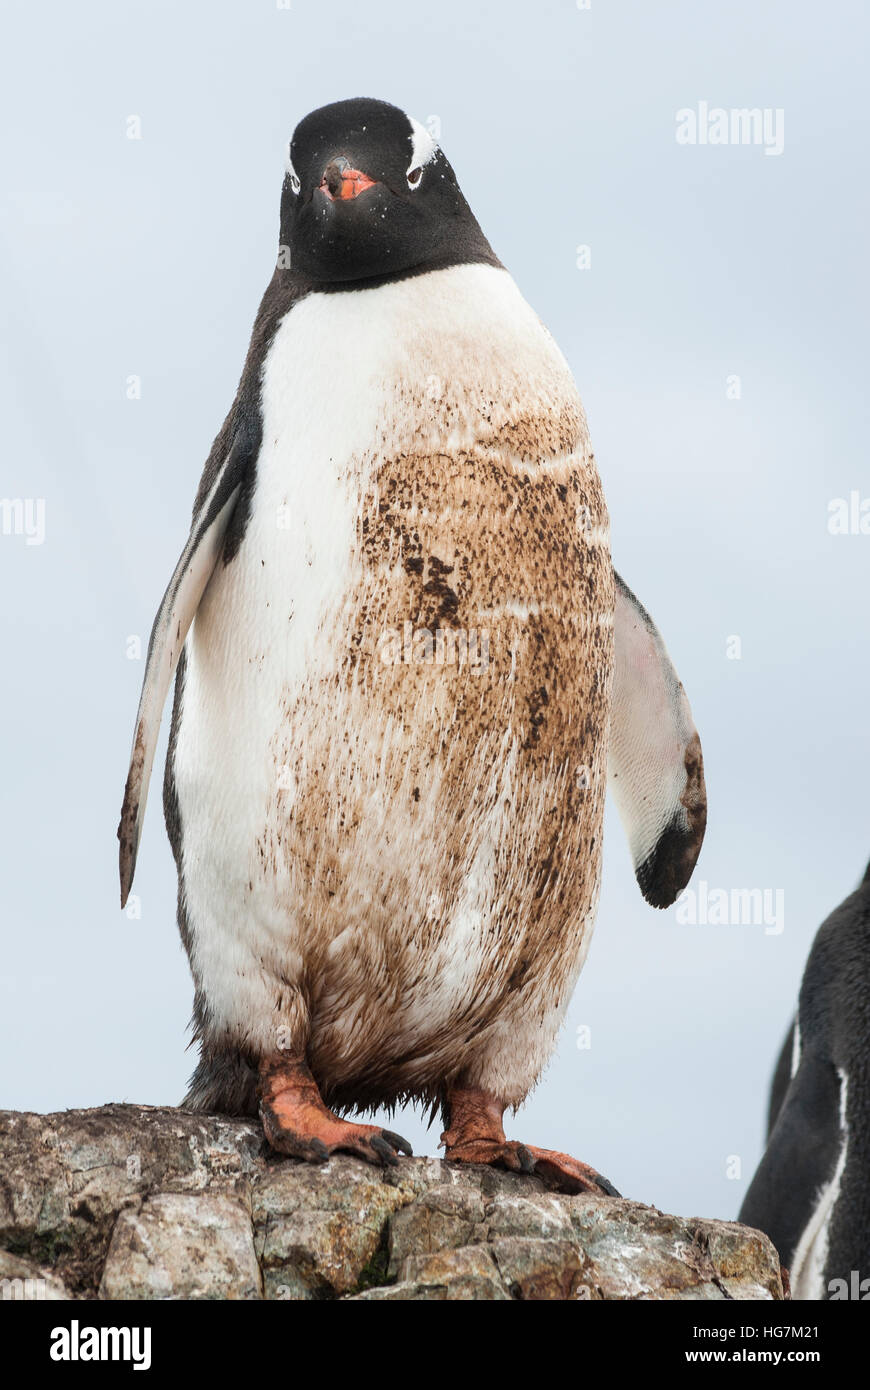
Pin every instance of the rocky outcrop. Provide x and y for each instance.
(135, 1202)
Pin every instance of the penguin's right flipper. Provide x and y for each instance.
(171, 625)
(799, 1162)
(654, 764)
(781, 1079)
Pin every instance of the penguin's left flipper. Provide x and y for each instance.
(174, 617)
(791, 1183)
(781, 1079)
(654, 767)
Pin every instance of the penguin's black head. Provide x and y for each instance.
(368, 195)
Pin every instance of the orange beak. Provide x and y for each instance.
(341, 181)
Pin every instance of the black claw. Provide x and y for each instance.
(383, 1150)
(527, 1162)
(398, 1142)
(607, 1187)
(319, 1149)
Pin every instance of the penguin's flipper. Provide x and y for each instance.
(789, 1196)
(781, 1078)
(174, 617)
(654, 768)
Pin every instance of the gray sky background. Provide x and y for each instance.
(148, 257)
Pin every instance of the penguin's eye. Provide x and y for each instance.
(414, 176)
(294, 181)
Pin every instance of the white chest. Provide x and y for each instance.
(424, 367)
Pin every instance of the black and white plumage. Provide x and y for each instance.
(391, 862)
(811, 1191)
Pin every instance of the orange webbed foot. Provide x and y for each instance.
(475, 1135)
(297, 1123)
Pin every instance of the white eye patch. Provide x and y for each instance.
(291, 172)
(423, 151)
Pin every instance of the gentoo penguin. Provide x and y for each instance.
(401, 632)
(811, 1191)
